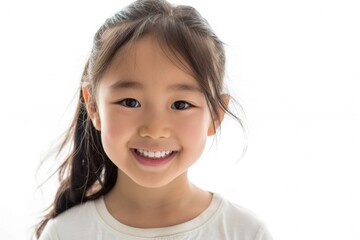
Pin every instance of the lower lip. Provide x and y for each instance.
(153, 161)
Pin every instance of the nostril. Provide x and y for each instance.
(154, 132)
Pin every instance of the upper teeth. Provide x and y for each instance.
(150, 154)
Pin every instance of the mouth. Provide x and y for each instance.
(151, 154)
(153, 158)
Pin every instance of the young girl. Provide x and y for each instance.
(151, 94)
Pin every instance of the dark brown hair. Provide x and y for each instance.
(87, 173)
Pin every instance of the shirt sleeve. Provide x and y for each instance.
(263, 233)
(49, 232)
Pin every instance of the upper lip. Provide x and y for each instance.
(154, 149)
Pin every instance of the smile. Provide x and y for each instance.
(151, 154)
(153, 158)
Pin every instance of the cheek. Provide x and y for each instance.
(115, 128)
(112, 126)
(194, 129)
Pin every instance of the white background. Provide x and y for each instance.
(293, 65)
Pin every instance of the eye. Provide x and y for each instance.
(181, 105)
(130, 103)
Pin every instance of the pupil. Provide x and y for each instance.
(131, 102)
(180, 105)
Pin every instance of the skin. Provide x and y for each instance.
(145, 101)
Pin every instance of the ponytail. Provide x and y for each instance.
(87, 172)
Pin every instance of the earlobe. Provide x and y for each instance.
(90, 107)
(211, 131)
(216, 122)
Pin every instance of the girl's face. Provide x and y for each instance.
(153, 117)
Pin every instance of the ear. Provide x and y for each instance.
(90, 107)
(215, 123)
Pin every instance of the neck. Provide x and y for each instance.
(138, 206)
(126, 190)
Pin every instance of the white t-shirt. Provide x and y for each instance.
(221, 220)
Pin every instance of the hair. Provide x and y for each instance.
(87, 173)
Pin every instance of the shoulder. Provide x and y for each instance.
(64, 223)
(75, 214)
(240, 221)
(237, 213)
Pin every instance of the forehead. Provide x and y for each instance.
(148, 61)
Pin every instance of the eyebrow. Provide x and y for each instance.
(128, 84)
(185, 87)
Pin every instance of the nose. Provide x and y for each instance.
(155, 127)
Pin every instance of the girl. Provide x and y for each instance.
(151, 94)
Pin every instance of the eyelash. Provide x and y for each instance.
(133, 103)
(125, 102)
(188, 105)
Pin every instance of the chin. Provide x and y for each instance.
(153, 183)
